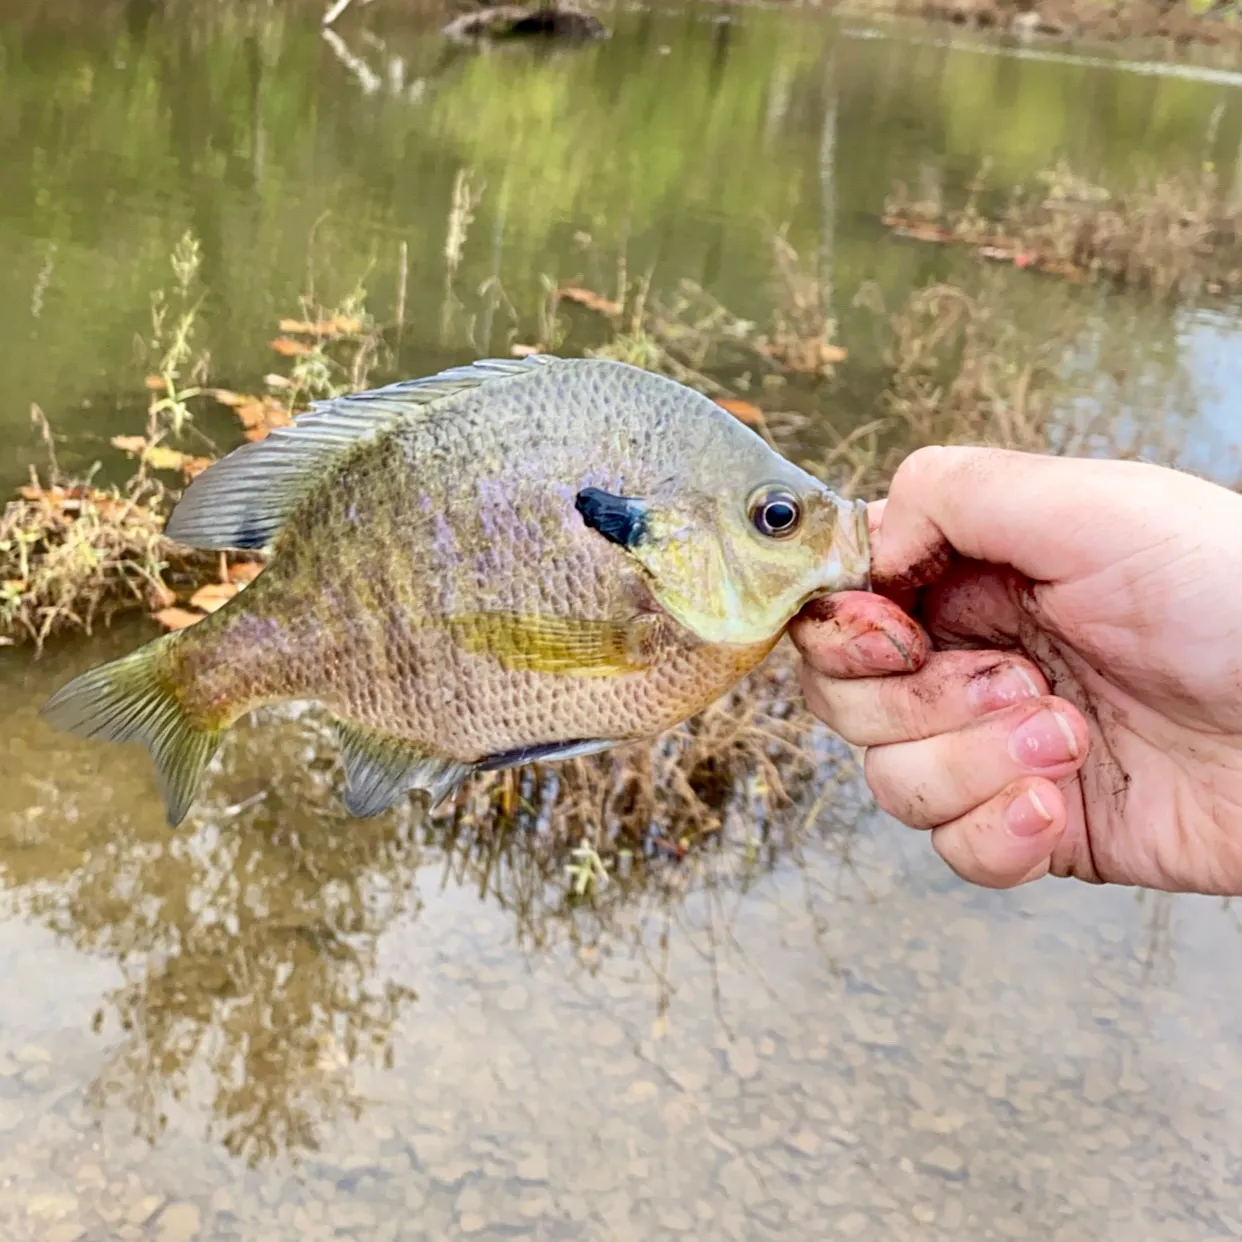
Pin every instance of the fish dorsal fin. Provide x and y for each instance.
(380, 770)
(242, 500)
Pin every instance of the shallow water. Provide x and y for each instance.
(293, 1026)
(279, 1023)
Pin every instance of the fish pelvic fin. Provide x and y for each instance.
(380, 770)
(130, 699)
(546, 752)
(244, 499)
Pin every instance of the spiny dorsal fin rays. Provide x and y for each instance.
(242, 500)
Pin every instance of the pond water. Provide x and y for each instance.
(281, 1024)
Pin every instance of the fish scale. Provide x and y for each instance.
(507, 561)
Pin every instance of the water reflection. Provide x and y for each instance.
(831, 1028)
(249, 946)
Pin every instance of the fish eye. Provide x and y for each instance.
(775, 513)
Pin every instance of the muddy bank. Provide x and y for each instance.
(1166, 27)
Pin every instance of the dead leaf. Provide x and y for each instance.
(242, 572)
(176, 618)
(14, 586)
(832, 354)
(917, 230)
(591, 300)
(69, 499)
(159, 457)
(523, 351)
(280, 382)
(226, 397)
(743, 411)
(259, 415)
(155, 383)
(162, 596)
(130, 444)
(338, 325)
(291, 348)
(192, 467)
(214, 595)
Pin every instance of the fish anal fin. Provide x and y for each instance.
(547, 644)
(244, 499)
(380, 770)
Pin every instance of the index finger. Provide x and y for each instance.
(858, 634)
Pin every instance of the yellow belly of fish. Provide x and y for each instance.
(465, 706)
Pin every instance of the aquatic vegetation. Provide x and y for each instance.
(962, 371)
(1175, 236)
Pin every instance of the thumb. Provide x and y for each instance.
(1050, 518)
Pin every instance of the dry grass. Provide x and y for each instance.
(963, 372)
(73, 554)
(1173, 236)
(690, 335)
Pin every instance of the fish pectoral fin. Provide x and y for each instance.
(546, 644)
(380, 770)
(545, 752)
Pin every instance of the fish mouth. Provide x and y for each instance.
(856, 546)
(848, 567)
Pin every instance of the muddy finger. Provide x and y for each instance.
(953, 689)
(857, 634)
(939, 779)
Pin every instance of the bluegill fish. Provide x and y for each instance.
(505, 562)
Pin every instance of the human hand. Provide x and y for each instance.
(1081, 711)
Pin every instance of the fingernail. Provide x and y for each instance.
(1027, 816)
(1043, 741)
(1002, 686)
(879, 650)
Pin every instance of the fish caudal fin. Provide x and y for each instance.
(127, 700)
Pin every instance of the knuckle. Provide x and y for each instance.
(816, 692)
(914, 464)
(893, 794)
(911, 706)
(958, 845)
